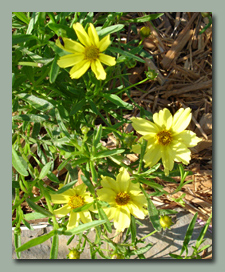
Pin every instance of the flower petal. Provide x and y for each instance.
(110, 183)
(168, 156)
(98, 70)
(136, 211)
(181, 120)
(121, 219)
(59, 198)
(108, 60)
(163, 119)
(104, 43)
(152, 155)
(85, 217)
(70, 60)
(73, 220)
(82, 34)
(123, 180)
(187, 137)
(182, 153)
(79, 69)
(143, 126)
(106, 194)
(136, 148)
(62, 211)
(92, 33)
(70, 46)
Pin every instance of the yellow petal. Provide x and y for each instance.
(181, 120)
(85, 217)
(107, 60)
(121, 219)
(59, 198)
(152, 155)
(62, 211)
(70, 46)
(104, 43)
(136, 148)
(79, 69)
(70, 60)
(123, 180)
(163, 119)
(168, 156)
(98, 70)
(93, 35)
(73, 221)
(82, 34)
(187, 137)
(136, 211)
(106, 194)
(182, 153)
(144, 127)
(110, 183)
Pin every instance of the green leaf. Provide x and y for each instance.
(142, 250)
(97, 136)
(78, 106)
(21, 38)
(153, 212)
(103, 216)
(188, 235)
(54, 70)
(22, 17)
(18, 163)
(38, 208)
(88, 183)
(109, 30)
(145, 18)
(83, 208)
(107, 153)
(65, 187)
(34, 216)
(203, 232)
(117, 101)
(36, 241)
(61, 124)
(175, 256)
(133, 229)
(37, 103)
(125, 53)
(82, 228)
(45, 170)
(55, 247)
(62, 30)
(30, 118)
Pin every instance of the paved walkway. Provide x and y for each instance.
(169, 241)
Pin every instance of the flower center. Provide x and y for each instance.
(164, 137)
(122, 198)
(76, 201)
(91, 53)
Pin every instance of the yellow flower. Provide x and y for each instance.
(73, 198)
(86, 54)
(167, 138)
(124, 197)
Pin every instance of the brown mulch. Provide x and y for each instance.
(183, 61)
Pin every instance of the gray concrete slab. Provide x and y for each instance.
(163, 243)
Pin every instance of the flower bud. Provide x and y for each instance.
(145, 32)
(73, 254)
(117, 256)
(85, 129)
(165, 221)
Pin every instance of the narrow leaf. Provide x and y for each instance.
(38, 209)
(117, 101)
(19, 163)
(45, 170)
(36, 241)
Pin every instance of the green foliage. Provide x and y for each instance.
(60, 124)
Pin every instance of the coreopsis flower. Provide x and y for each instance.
(166, 138)
(124, 197)
(87, 53)
(73, 198)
